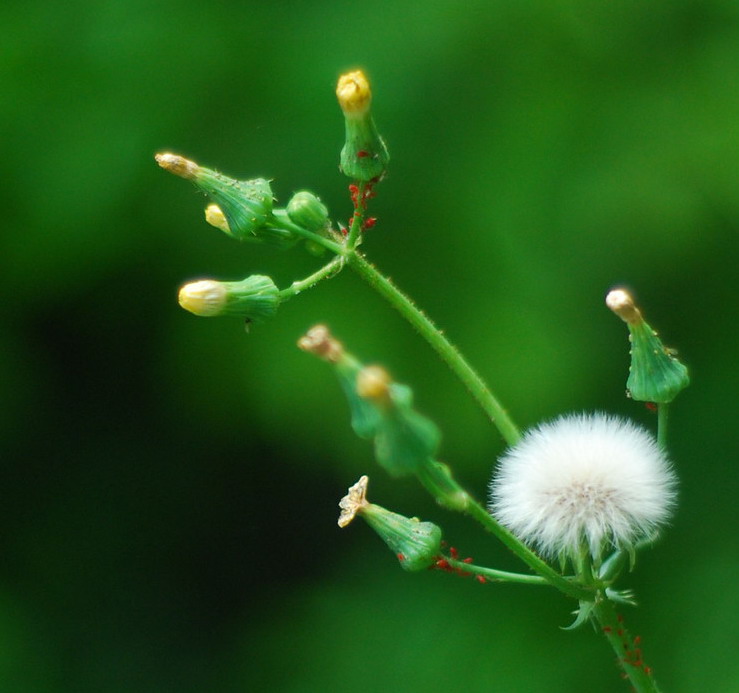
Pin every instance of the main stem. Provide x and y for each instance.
(627, 649)
(448, 353)
(662, 410)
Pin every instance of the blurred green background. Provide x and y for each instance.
(169, 484)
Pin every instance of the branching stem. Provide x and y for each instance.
(439, 343)
(327, 271)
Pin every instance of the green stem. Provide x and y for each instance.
(492, 575)
(662, 410)
(328, 270)
(282, 221)
(627, 650)
(526, 554)
(448, 353)
(358, 218)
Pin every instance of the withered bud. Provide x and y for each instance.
(320, 342)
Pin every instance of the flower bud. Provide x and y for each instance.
(306, 210)
(655, 374)
(416, 544)
(215, 217)
(242, 208)
(364, 156)
(255, 298)
(405, 441)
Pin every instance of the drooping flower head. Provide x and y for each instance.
(589, 481)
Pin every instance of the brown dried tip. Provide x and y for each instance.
(179, 165)
(320, 342)
(621, 303)
(373, 382)
(354, 500)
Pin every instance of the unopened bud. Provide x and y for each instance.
(242, 208)
(205, 298)
(364, 156)
(354, 94)
(215, 217)
(320, 342)
(406, 441)
(373, 383)
(306, 210)
(255, 298)
(655, 374)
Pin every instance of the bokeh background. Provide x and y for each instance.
(169, 484)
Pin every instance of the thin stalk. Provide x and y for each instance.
(662, 411)
(493, 575)
(627, 649)
(448, 353)
(282, 221)
(327, 271)
(562, 583)
(358, 218)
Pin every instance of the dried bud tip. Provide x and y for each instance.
(320, 342)
(354, 500)
(373, 383)
(621, 303)
(205, 298)
(353, 93)
(184, 168)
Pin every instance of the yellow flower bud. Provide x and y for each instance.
(215, 217)
(205, 298)
(353, 93)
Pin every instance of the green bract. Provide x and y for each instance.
(306, 210)
(655, 375)
(405, 440)
(416, 544)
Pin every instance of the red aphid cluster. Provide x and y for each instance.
(632, 656)
(443, 564)
(360, 202)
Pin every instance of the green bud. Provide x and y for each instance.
(437, 478)
(364, 156)
(246, 205)
(242, 209)
(365, 416)
(306, 210)
(655, 374)
(405, 441)
(255, 298)
(320, 342)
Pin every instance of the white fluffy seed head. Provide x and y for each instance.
(585, 479)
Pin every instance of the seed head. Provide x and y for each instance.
(583, 480)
